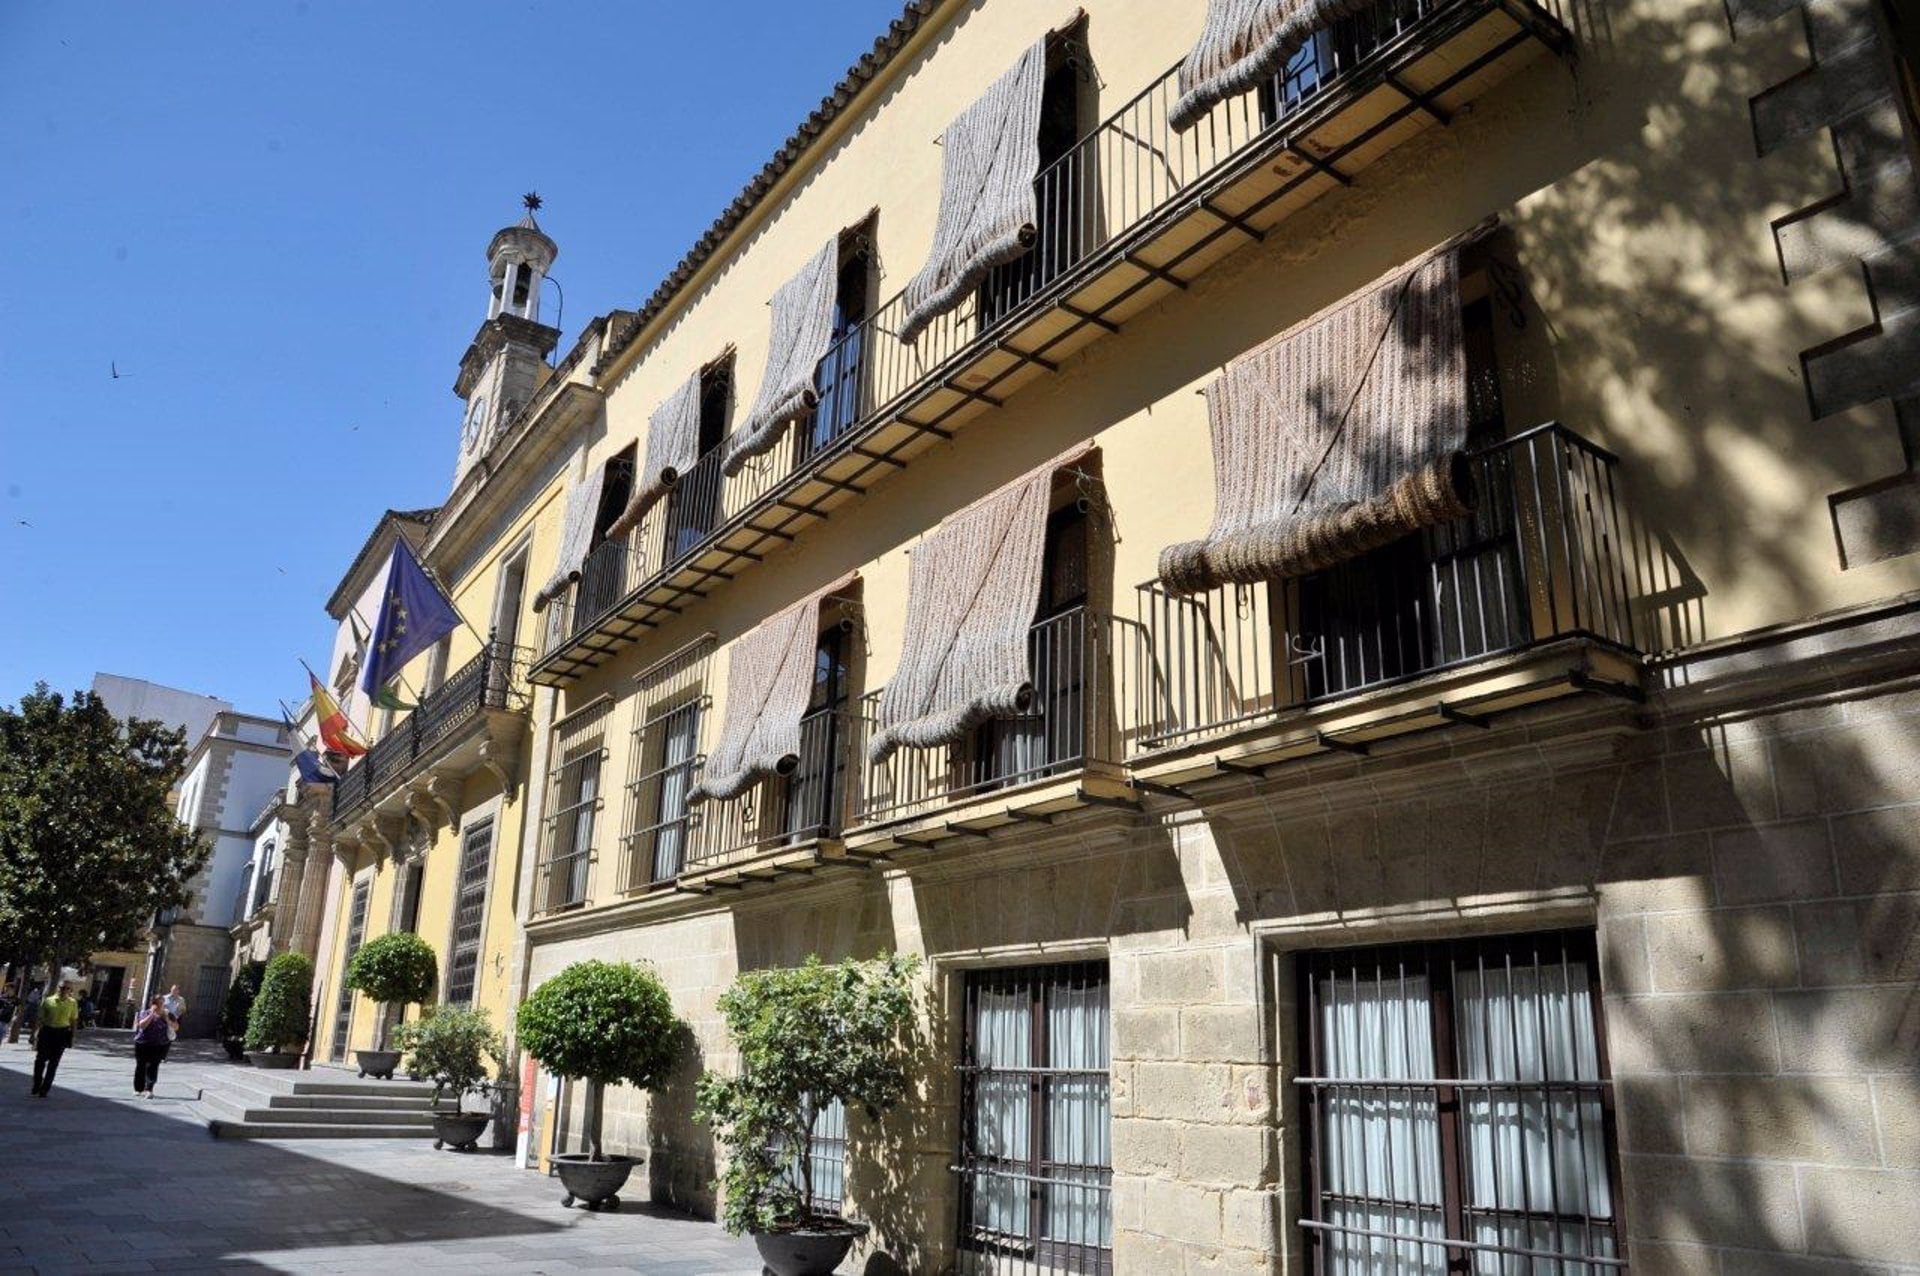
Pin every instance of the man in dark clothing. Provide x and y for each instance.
(58, 1014)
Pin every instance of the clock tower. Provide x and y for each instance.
(506, 364)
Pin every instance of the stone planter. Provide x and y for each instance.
(813, 1250)
(274, 1059)
(377, 1063)
(460, 1130)
(595, 1184)
(236, 1048)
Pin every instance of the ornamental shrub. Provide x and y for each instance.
(280, 1013)
(806, 1037)
(453, 1046)
(398, 967)
(603, 1023)
(239, 1003)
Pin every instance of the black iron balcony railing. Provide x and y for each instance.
(1071, 723)
(1127, 185)
(494, 679)
(811, 803)
(1545, 555)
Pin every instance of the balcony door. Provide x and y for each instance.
(838, 380)
(1064, 233)
(603, 575)
(816, 788)
(693, 509)
(1052, 734)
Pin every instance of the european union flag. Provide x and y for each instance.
(414, 615)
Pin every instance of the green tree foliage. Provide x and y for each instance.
(806, 1036)
(454, 1047)
(281, 1012)
(603, 1023)
(89, 847)
(239, 1003)
(396, 967)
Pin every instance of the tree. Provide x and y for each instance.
(453, 1046)
(282, 1009)
(806, 1037)
(604, 1023)
(90, 850)
(239, 1004)
(398, 967)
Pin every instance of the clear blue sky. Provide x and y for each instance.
(271, 217)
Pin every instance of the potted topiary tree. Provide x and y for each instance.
(453, 1047)
(602, 1023)
(806, 1037)
(239, 1003)
(396, 969)
(277, 1023)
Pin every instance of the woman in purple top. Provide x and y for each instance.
(151, 1036)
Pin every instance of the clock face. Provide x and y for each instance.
(475, 424)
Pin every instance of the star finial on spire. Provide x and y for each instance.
(532, 200)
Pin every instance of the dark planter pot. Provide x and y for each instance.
(814, 1250)
(377, 1063)
(273, 1059)
(460, 1130)
(595, 1184)
(236, 1048)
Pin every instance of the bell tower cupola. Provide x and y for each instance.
(506, 364)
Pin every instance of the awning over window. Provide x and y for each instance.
(769, 678)
(1338, 436)
(576, 536)
(988, 210)
(972, 588)
(802, 331)
(673, 445)
(1245, 42)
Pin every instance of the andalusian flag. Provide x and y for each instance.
(335, 732)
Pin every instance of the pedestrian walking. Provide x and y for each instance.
(151, 1040)
(176, 1011)
(58, 1014)
(89, 1012)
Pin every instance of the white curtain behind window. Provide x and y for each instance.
(1379, 1142)
(1001, 1115)
(1077, 1115)
(1534, 1150)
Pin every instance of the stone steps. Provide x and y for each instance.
(320, 1104)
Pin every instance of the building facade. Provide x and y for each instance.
(1359, 613)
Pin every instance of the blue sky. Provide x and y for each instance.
(271, 217)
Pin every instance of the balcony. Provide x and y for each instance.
(1064, 755)
(1529, 598)
(473, 721)
(789, 824)
(1130, 214)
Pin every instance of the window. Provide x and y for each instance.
(406, 893)
(469, 912)
(522, 283)
(694, 504)
(1035, 1093)
(1053, 735)
(356, 933)
(603, 574)
(670, 741)
(616, 489)
(1334, 51)
(573, 804)
(819, 782)
(1459, 1092)
(826, 1174)
(1064, 232)
(263, 877)
(838, 380)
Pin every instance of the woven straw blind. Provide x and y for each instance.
(1338, 436)
(802, 331)
(576, 536)
(1245, 42)
(673, 445)
(988, 209)
(972, 589)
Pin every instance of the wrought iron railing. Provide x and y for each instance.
(1544, 555)
(1071, 722)
(1111, 191)
(494, 679)
(811, 802)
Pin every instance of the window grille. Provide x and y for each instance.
(1036, 1164)
(663, 763)
(574, 800)
(356, 933)
(469, 913)
(263, 878)
(827, 1167)
(1459, 1111)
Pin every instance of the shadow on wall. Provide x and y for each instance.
(680, 1160)
(1759, 937)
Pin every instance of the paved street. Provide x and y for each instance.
(96, 1180)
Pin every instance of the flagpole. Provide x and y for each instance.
(363, 742)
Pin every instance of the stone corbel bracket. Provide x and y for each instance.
(500, 751)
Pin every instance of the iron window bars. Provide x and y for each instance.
(1036, 1162)
(356, 934)
(469, 912)
(1459, 1110)
(574, 790)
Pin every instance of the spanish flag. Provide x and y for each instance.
(335, 732)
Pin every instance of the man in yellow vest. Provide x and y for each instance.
(58, 1014)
